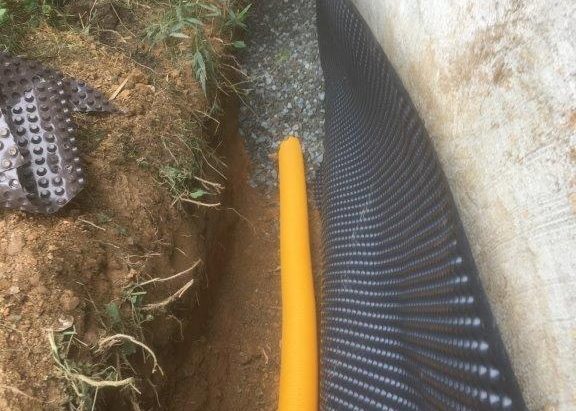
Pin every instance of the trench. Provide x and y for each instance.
(229, 357)
(231, 361)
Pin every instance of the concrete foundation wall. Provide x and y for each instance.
(495, 82)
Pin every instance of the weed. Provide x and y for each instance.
(18, 17)
(188, 155)
(206, 30)
(237, 19)
(4, 13)
(176, 21)
(201, 33)
(108, 364)
(84, 379)
(103, 218)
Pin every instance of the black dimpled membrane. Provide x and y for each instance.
(405, 324)
(40, 167)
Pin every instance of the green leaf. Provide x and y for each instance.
(179, 35)
(200, 69)
(113, 313)
(193, 22)
(47, 10)
(136, 298)
(198, 194)
(213, 10)
(245, 11)
(31, 5)
(4, 15)
(239, 44)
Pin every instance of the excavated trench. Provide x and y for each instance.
(404, 305)
(229, 357)
(232, 358)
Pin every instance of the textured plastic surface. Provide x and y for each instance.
(405, 323)
(40, 168)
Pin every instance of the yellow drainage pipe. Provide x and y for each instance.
(299, 353)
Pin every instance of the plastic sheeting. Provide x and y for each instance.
(405, 323)
(40, 167)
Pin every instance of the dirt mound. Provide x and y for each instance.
(82, 292)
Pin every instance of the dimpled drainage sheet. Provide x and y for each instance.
(40, 170)
(405, 324)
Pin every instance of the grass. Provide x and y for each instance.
(203, 34)
(204, 31)
(84, 379)
(110, 364)
(178, 182)
(189, 156)
(19, 16)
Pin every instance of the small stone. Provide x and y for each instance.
(69, 301)
(14, 318)
(42, 290)
(32, 237)
(15, 243)
(287, 86)
(63, 323)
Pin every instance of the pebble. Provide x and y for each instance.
(13, 290)
(69, 301)
(286, 93)
(15, 243)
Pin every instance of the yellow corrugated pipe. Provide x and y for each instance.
(299, 353)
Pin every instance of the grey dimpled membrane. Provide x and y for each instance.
(405, 324)
(40, 167)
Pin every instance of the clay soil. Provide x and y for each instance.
(234, 362)
(74, 275)
(60, 275)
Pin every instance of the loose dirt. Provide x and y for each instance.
(74, 273)
(71, 275)
(234, 366)
(235, 363)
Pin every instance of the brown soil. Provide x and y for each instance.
(234, 364)
(219, 344)
(59, 272)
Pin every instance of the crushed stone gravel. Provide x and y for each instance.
(286, 90)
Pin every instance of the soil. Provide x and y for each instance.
(218, 344)
(58, 273)
(235, 363)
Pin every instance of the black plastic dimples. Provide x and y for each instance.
(40, 167)
(405, 324)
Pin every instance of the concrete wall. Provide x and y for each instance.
(495, 82)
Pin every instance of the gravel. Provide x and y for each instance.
(286, 86)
